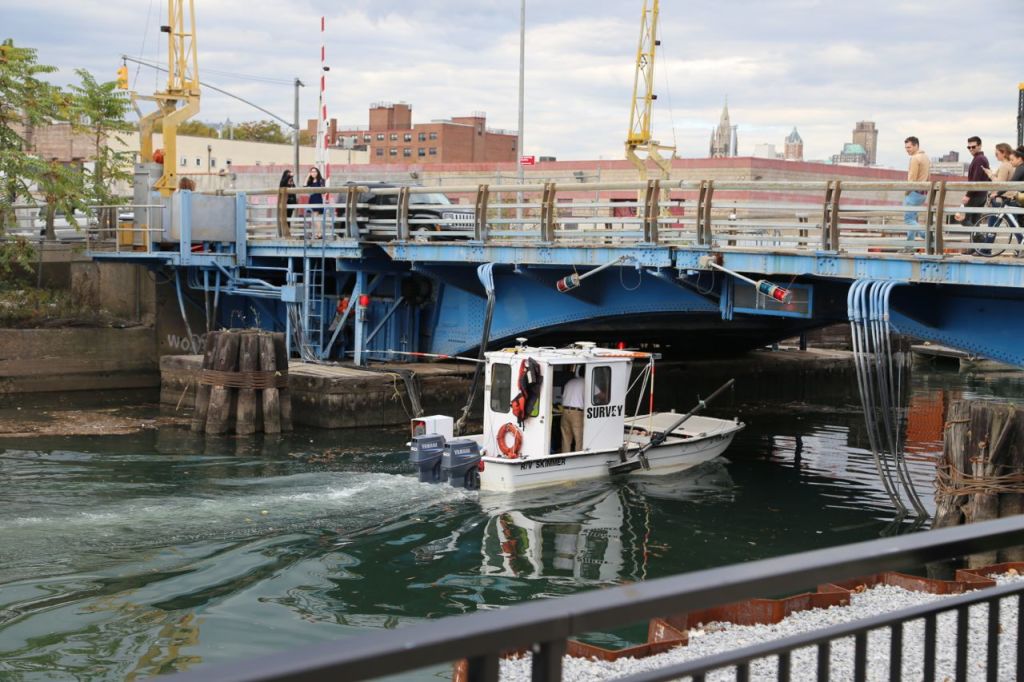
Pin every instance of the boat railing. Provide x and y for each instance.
(543, 627)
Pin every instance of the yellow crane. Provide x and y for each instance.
(182, 88)
(1020, 114)
(639, 136)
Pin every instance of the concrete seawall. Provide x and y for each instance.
(77, 359)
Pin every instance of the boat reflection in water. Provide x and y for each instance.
(596, 532)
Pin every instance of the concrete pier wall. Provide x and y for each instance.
(77, 359)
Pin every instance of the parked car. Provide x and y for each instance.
(431, 211)
(33, 225)
(63, 227)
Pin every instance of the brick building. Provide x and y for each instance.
(392, 137)
(866, 135)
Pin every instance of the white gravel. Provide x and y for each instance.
(716, 638)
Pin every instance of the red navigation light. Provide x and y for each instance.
(774, 291)
(480, 465)
(364, 300)
(568, 283)
(621, 345)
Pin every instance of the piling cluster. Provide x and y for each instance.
(981, 474)
(243, 384)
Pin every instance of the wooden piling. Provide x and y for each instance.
(225, 359)
(281, 355)
(248, 361)
(271, 398)
(203, 389)
(981, 474)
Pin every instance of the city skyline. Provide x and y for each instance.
(795, 63)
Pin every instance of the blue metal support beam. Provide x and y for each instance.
(528, 254)
(387, 316)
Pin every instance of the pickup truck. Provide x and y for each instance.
(431, 211)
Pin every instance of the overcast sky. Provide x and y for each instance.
(931, 68)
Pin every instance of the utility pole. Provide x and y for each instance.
(522, 65)
(295, 170)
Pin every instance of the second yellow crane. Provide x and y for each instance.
(639, 137)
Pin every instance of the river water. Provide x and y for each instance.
(122, 557)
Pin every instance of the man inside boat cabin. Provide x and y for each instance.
(572, 412)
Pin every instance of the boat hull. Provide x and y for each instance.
(676, 454)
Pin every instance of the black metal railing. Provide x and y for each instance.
(544, 627)
(893, 622)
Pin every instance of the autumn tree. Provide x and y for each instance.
(261, 131)
(197, 129)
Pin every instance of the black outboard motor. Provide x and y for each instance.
(460, 462)
(425, 452)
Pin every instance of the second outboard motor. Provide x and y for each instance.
(425, 452)
(460, 462)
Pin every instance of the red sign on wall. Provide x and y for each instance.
(527, 160)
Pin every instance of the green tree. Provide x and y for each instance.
(261, 131)
(99, 110)
(306, 138)
(64, 188)
(197, 129)
(26, 101)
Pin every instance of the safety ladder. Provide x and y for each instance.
(314, 261)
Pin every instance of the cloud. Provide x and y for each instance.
(909, 65)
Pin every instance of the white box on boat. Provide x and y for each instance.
(440, 424)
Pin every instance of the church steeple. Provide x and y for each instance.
(794, 146)
(723, 138)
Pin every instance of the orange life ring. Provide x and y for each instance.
(512, 452)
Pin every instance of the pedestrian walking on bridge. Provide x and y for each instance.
(975, 173)
(919, 171)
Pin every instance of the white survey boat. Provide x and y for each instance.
(521, 449)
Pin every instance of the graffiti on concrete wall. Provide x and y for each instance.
(194, 345)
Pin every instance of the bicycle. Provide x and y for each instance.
(998, 220)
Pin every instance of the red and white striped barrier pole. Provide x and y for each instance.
(322, 157)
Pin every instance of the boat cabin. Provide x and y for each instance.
(605, 374)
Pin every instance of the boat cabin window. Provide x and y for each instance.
(501, 387)
(601, 386)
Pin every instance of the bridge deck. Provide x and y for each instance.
(814, 237)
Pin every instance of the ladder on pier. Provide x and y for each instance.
(314, 265)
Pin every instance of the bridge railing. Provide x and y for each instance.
(832, 215)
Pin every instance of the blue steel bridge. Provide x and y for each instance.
(364, 280)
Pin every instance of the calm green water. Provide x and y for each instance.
(123, 557)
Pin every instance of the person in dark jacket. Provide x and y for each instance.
(975, 173)
(314, 179)
(288, 180)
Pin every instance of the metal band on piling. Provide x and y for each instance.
(254, 379)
